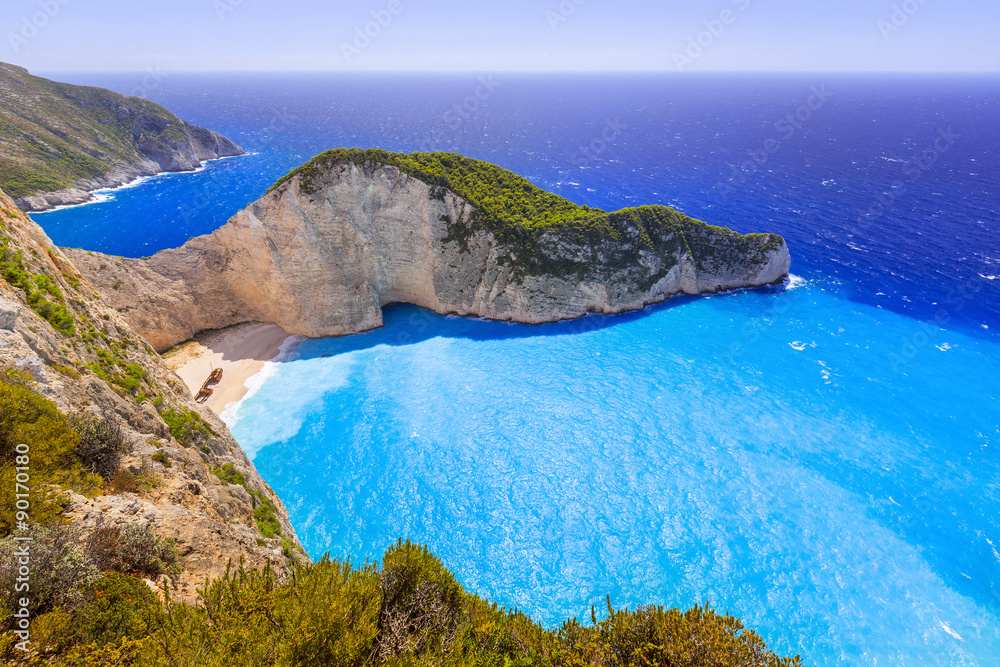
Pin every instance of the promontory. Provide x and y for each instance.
(355, 230)
(59, 142)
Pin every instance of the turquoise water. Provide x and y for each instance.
(817, 461)
(826, 470)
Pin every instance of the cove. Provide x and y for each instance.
(763, 450)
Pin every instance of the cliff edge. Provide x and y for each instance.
(181, 475)
(352, 231)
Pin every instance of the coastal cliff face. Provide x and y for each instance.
(324, 251)
(84, 357)
(58, 142)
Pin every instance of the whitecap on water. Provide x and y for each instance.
(794, 282)
(944, 626)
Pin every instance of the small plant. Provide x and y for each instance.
(133, 549)
(230, 475)
(120, 606)
(38, 289)
(102, 443)
(139, 483)
(67, 371)
(60, 571)
(162, 459)
(186, 426)
(265, 512)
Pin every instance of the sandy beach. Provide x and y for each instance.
(240, 351)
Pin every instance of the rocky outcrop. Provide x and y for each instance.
(77, 368)
(321, 255)
(60, 141)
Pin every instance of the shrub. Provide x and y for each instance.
(187, 426)
(102, 443)
(265, 512)
(331, 613)
(60, 572)
(421, 602)
(26, 417)
(122, 653)
(230, 475)
(133, 549)
(124, 481)
(118, 606)
(37, 288)
(162, 459)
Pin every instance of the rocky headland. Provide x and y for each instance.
(59, 142)
(353, 231)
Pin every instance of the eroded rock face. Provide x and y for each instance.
(210, 519)
(324, 263)
(154, 157)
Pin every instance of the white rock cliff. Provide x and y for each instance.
(323, 262)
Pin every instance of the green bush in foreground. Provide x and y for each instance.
(26, 417)
(412, 611)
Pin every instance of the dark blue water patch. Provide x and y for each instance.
(885, 183)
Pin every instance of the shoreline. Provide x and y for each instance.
(102, 195)
(242, 351)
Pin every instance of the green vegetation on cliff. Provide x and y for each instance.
(410, 611)
(518, 213)
(505, 200)
(26, 417)
(40, 290)
(56, 135)
(80, 452)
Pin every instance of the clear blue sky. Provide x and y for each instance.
(501, 35)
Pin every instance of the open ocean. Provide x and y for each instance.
(820, 459)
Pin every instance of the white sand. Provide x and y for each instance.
(240, 351)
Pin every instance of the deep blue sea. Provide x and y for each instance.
(821, 459)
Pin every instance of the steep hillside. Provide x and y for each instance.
(115, 429)
(59, 141)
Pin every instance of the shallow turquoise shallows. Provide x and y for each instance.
(823, 469)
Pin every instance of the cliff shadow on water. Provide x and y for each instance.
(406, 324)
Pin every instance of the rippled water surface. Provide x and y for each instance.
(820, 460)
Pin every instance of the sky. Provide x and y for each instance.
(501, 35)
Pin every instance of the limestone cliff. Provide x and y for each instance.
(58, 142)
(333, 243)
(84, 356)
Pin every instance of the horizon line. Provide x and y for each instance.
(669, 72)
